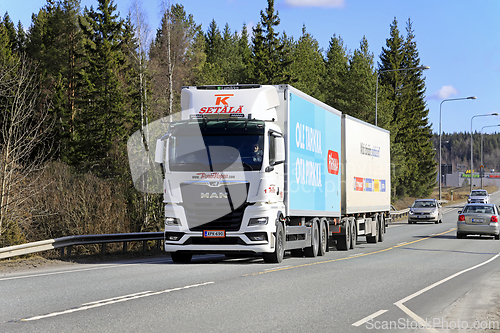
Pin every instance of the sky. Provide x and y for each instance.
(458, 39)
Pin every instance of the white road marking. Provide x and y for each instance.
(78, 270)
(114, 300)
(120, 297)
(413, 315)
(372, 316)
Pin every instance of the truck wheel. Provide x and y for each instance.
(181, 257)
(344, 241)
(312, 251)
(279, 247)
(323, 238)
(374, 239)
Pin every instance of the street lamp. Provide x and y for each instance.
(482, 151)
(471, 145)
(391, 70)
(445, 100)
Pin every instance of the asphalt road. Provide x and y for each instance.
(416, 275)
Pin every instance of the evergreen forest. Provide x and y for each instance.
(77, 82)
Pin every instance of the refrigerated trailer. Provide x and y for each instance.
(261, 169)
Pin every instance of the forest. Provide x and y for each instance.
(77, 82)
(456, 150)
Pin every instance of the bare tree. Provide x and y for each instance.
(25, 124)
(172, 58)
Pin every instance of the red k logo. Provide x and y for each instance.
(222, 99)
(333, 162)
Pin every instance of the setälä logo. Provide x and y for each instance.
(221, 105)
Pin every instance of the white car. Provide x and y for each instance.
(479, 196)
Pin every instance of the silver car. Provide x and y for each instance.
(425, 210)
(478, 219)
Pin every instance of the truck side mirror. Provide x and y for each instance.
(160, 151)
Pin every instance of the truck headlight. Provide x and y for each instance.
(257, 221)
(170, 221)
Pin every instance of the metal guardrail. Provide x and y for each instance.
(398, 214)
(68, 242)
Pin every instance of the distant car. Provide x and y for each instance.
(478, 219)
(480, 196)
(425, 210)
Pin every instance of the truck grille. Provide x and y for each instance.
(214, 205)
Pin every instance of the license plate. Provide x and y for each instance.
(477, 220)
(214, 233)
(423, 216)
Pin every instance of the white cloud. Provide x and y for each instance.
(444, 92)
(316, 3)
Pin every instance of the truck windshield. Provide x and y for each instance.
(200, 148)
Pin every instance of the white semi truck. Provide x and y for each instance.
(261, 169)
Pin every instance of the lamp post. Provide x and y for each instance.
(471, 145)
(391, 70)
(482, 151)
(445, 100)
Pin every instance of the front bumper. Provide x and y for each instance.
(485, 201)
(232, 242)
(248, 239)
(423, 218)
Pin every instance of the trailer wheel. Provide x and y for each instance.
(279, 248)
(181, 257)
(323, 238)
(381, 228)
(312, 250)
(354, 235)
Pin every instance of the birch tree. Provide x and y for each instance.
(24, 126)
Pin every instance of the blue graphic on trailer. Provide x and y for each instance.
(315, 150)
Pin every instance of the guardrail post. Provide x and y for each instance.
(61, 251)
(69, 250)
(124, 247)
(103, 248)
(144, 246)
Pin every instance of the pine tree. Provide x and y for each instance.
(361, 81)
(418, 143)
(267, 49)
(413, 173)
(246, 56)
(54, 40)
(334, 82)
(100, 124)
(308, 67)
(392, 58)
(10, 31)
(5, 45)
